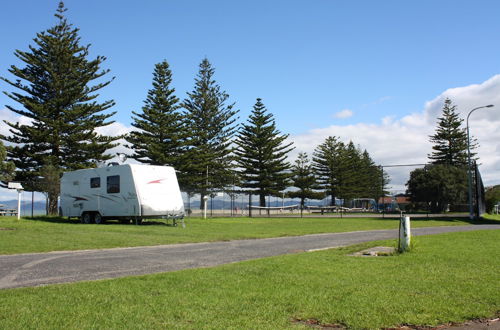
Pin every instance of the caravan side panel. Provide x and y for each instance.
(110, 191)
(158, 191)
(117, 195)
(76, 197)
(122, 191)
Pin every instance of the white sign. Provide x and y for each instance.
(15, 185)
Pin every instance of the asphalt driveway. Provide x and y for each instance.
(35, 269)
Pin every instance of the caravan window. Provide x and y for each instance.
(113, 182)
(95, 182)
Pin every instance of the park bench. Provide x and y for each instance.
(8, 212)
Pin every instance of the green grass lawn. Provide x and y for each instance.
(446, 278)
(492, 217)
(44, 234)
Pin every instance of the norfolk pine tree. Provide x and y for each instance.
(210, 126)
(326, 166)
(6, 168)
(444, 182)
(159, 139)
(261, 154)
(56, 95)
(359, 176)
(304, 179)
(450, 139)
(349, 172)
(374, 179)
(344, 171)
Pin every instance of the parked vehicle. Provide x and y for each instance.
(124, 192)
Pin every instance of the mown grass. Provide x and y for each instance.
(43, 234)
(492, 216)
(446, 278)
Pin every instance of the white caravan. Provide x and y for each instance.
(125, 192)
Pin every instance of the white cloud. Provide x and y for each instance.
(383, 99)
(467, 98)
(116, 129)
(346, 113)
(11, 117)
(378, 101)
(406, 140)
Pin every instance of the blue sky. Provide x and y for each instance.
(386, 62)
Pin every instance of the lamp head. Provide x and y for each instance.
(490, 106)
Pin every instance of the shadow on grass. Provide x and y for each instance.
(158, 222)
(51, 219)
(444, 218)
(482, 221)
(74, 221)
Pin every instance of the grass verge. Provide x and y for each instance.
(447, 278)
(494, 217)
(43, 234)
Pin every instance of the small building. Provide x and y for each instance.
(394, 203)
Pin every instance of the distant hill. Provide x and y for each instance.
(38, 206)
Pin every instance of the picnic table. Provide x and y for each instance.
(8, 212)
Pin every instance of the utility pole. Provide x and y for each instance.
(469, 166)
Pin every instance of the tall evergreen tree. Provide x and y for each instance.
(6, 168)
(210, 125)
(359, 176)
(261, 154)
(326, 166)
(160, 137)
(373, 178)
(350, 172)
(345, 172)
(56, 95)
(450, 139)
(304, 179)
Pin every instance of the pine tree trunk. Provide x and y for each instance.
(52, 207)
(202, 203)
(332, 199)
(262, 200)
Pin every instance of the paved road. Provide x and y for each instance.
(35, 269)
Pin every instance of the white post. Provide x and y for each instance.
(19, 204)
(205, 199)
(19, 187)
(405, 234)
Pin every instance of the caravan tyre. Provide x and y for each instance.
(98, 218)
(86, 218)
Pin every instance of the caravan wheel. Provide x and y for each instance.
(98, 218)
(86, 218)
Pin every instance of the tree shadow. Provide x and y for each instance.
(75, 221)
(444, 218)
(52, 219)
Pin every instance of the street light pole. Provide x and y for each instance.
(469, 169)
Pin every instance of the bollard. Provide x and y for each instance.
(404, 234)
(19, 191)
(205, 199)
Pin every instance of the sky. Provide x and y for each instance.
(374, 72)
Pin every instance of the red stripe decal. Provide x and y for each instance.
(156, 181)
